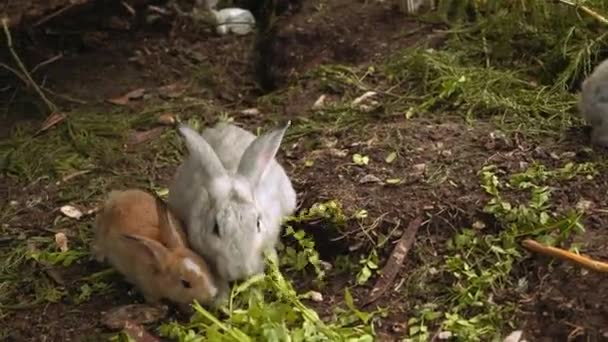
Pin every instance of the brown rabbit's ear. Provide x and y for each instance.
(170, 228)
(158, 253)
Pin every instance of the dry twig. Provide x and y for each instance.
(587, 10)
(395, 260)
(24, 74)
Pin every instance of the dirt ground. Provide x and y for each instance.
(99, 63)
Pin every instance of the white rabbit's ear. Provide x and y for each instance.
(259, 154)
(158, 253)
(203, 153)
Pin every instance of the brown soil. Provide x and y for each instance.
(98, 64)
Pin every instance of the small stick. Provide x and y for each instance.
(48, 61)
(563, 254)
(587, 10)
(396, 259)
(9, 43)
(58, 12)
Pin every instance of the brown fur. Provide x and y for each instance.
(138, 235)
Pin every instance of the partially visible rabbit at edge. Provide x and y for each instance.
(137, 234)
(593, 103)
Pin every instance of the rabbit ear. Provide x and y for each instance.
(156, 250)
(203, 153)
(170, 229)
(259, 154)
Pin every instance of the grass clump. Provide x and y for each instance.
(481, 300)
(451, 80)
(267, 308)
(81, 142)
(557, 42)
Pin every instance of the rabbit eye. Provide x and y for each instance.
(259, 224)
(216, 229)
(186, 284)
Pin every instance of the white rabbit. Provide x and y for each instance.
(232, 195)
(593, 103)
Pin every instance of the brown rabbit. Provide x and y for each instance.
(138, 235)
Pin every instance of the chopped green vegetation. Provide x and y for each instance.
(266, 307)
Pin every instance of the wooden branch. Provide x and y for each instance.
(395, 261)
(562, 254)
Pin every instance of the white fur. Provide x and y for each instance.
(593, 103)
(193, 267)
(221, 164)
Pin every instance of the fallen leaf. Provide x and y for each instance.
(337, 152)
(584, 205)
(138, 333)
(61, 241)
(132, 95)
(117, 318)
(478, 225)
(419, 168)
(444, 335)
(370, 179)
(166, 119)
(363, 97)
(51, 121)
(316, 296)
(393, 181)
(515, 336)
(71, 212)
(319, 103)
(251, 112)
(139, 137)
(162, 192)
(172, 90)
(325, 265)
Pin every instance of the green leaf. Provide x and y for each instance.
(391, 157)
(360, 160)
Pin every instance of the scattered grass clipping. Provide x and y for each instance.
(448, 80)
(481, 301)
